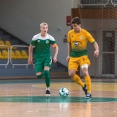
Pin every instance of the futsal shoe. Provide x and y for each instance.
(47, 93)
(88, 96)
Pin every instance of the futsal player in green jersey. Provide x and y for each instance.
(42, 42)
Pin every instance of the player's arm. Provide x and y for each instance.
(69, 50)
(96, 52)
(30, 51)
(56, 52)
(92, 40)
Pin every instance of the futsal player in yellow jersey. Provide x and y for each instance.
(78, 55)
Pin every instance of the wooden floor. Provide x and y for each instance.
(26, 98)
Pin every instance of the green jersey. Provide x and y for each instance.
(42, 45)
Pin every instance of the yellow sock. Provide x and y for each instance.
(77, 79)
(88, 83)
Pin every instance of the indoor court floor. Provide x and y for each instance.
(26, 98)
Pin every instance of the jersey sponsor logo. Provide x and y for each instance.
(81, 37)
(76, 43)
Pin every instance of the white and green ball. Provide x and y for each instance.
(63, 92)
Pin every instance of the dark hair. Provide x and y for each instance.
(76, 20)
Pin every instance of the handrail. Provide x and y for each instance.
(11, 55)
(8, 55)
(113, 3)
(79, 1)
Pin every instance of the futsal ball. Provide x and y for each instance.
(63, 92)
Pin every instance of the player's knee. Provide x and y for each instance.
(85, 71)
(86, 74)
(38, 73)
(71, 75)
(47, 68)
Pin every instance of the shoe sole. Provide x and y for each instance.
(47, 95)
(88, 97)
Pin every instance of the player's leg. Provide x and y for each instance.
(47, 66)
(87, 80)
(84, 63)
(72, 68)
(39, 66)
(47, 80)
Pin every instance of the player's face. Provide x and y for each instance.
(76, 27)
(44, 29)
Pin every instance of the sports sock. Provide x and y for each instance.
(47, 78)
(78, 80)
(88, 83)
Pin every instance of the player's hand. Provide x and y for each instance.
(68, 57)
(96, 53)
(30, 61)
(54, 59)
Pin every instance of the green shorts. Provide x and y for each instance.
(42, 62)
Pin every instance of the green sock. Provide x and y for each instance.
(47, 78)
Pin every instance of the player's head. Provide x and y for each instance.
(44, 27)
(76, 24)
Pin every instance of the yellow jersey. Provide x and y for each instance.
(78, 42)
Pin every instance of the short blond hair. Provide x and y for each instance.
(43, 23)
